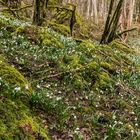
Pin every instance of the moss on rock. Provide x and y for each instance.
(49, 40)
(64, 30)
(17, 123)
(11, 76)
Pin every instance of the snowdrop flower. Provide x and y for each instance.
(120, 122)
(96, 105)
(38, 86)
(114, 117)
(132, 131)
(27, 87)
(17, 89)
(77, 129)
(132, 113)
(136, 119)
(136, 124)
(58, 98)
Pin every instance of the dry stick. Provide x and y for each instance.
(125, 31)
(57, 74)
(22, 8)
(123, 43)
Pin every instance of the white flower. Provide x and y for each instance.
(38, 86)
(17, 89)
(114, 117)
(132, 131)
(132, 112)
(136, 119)
(27, 87)
(96, 105)
(120, 122)
(136, 124)
(59, 92)
(58, 98)
(77, 129)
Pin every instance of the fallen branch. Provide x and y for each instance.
(22, 8)
(125, 31)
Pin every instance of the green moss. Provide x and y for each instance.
(16, 122)
(19, 30)
(72, 62)
(86, 44)
(65, 30)
(78, 82)
(103, 80)
(81, 26)
(49, 40)
(11, 76)
(93, 66)
(104, 76)
(121, 47)
(107, 66)
(87, 48)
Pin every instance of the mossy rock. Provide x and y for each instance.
(30, 32)
(103, 80)
(104, 76)
(17, 123)
(93, 66)
(60, 28)
(11, 76)
(72, 62)
(119, 46)
(49, 40)
(87, 48)
(86, 44)
(108, 66)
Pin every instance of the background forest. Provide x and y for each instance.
(70, 69)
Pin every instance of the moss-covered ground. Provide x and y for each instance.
(81, 90)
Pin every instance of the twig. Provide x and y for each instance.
(125, 31)
(25, 7)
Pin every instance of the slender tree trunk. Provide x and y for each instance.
(106, 30)
(37, 13)
(95, 11)
(112, 23)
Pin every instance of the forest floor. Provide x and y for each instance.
(81, 90)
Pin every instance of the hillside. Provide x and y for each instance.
(57, 87)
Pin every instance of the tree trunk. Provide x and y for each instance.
(37, 13)
(112, 23)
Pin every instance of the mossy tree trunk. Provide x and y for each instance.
(37, 13)
(111, 23)
(44, 10)
(40, 8)
(73, 19)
